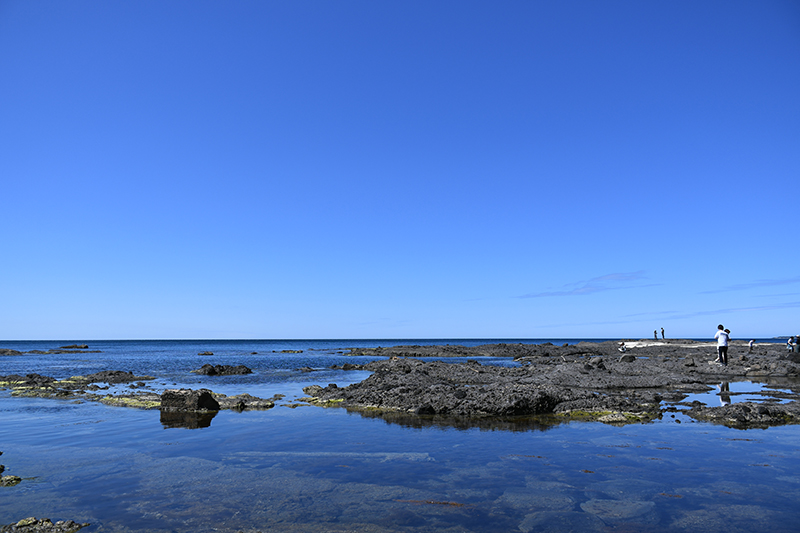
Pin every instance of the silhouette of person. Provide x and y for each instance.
(655, 334)
(662, 333)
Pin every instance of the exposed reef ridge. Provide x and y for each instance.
(85, 387)
(594, 381)
(74, 348)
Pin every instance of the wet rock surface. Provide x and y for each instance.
(9, 481)
(595, 381)
(43, 525)
(223, 370)
(76, 387)
(85, 388)
(188, 400)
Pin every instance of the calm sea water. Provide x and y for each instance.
(312, 469)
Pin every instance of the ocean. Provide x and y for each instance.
(304, 468)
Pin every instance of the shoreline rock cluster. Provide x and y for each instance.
(84, 387)
(591, 381)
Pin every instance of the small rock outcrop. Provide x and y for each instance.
(115, 376)
(241, 402)
(9, 481)
(189, 400)
(43, 525)
(223, 370)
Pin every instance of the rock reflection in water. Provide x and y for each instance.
(409, 420)
(187, 419)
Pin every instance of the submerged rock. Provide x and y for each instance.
(44, 525)
(9, 481)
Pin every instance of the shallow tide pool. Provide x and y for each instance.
(307, 468)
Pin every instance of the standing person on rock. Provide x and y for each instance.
(722, 336)
(655, 334)
(662, 334)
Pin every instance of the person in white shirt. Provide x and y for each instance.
(722, 337)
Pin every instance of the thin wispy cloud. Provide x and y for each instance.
(786, 305)
(755, 284)
(673, 315)
(608, 282)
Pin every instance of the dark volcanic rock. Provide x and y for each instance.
(347, 366)
(222, 370)
(428, 388)
(74, 347)
(29, 380)
(586, 381)
(62, 350)
(188, 400)
(83, 388)
(241, 402)
(748, 415)
(114, 376)
(8, 351)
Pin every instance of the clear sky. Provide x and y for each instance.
(399, 169)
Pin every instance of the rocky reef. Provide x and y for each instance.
(72, 348)
(589, 381)
(86, 388)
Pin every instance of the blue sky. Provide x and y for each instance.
(361, 169)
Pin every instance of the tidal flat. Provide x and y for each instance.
(300, 467)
